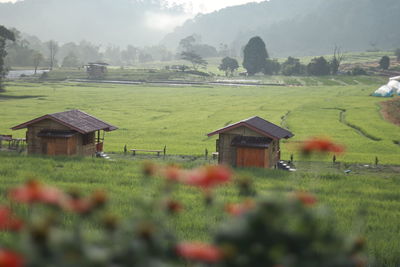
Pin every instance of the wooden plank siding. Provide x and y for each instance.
(57, 146)
(246, 157)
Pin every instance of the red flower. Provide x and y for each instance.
(208, 177)
(173, 206)
(239, 208)
(10, 259)
(320, 145)
(34, 192)
(199, 252)
(8, 221)
(78, 205)
(306, 198)
(172, 173)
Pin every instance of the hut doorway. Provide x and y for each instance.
(251, 157)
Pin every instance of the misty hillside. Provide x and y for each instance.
(300, 27)
(104, 22)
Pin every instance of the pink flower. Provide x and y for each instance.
(199, 252)
(10, 259)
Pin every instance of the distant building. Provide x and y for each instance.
(68, 133)
(96, 70)
(253, 142)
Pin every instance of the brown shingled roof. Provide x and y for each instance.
(259, 125)
(74, 119)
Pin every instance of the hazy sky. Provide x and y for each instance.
(197, 6)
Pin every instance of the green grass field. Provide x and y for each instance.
(179, 117)
(365, 202)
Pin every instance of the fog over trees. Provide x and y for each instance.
(128, 31)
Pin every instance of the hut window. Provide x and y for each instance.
(88, 139)
(217, 145)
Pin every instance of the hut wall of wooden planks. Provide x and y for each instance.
(65, 133)
(250, 143)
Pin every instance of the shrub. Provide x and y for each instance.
(358, 71)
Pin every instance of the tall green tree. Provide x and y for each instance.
(254, 55)
(5, 35)
(384, 63)
(229, 65)
(318, 66)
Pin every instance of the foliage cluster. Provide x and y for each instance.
(5, 35)
(288, 229)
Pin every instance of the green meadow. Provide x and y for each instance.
(364, 202)
(150, 117)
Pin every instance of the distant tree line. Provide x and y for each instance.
(256, 60)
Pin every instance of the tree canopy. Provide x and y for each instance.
(319, 66)
(5, 35)
(229, 65)
(254, 55)
(384, 63)
(194, 58)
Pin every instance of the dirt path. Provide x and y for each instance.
(391, 110)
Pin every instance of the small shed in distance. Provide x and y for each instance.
(96, 70)
(253, 142)
(68, 133)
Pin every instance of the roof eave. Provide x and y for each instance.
(242, 123)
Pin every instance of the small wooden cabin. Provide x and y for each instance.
(253, 142)
(68, 133)
(96, 70)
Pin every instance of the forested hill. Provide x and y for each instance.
(300, 27)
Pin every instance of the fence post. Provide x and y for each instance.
(165, 151)
(206, 154)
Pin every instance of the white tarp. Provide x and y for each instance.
(384, 91)
(391, 88)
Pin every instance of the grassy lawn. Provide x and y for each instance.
(179, 117)
(365, 202)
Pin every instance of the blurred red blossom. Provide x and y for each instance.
(199, 252)
(34, 192)
(172, 173)
(306, 198)
(78, 205)
(8, 221)
(173, 206)
(208, 177)
(239, 208)
(10, 259)
(321, 145)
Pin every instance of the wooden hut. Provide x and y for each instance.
(96, 70)
(253, 142)
(69, 133)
